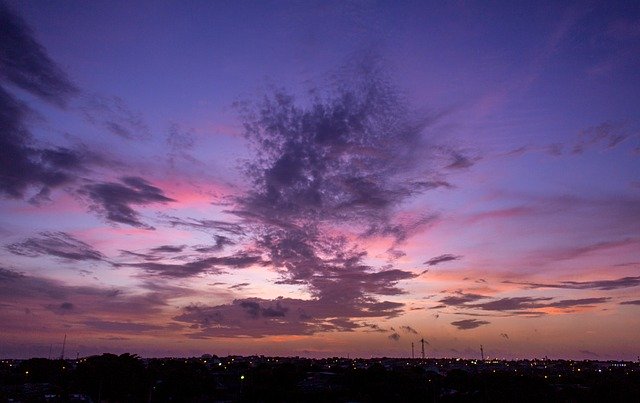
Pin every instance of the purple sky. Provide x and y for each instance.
(320, 178)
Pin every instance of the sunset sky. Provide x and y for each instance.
(320, 178)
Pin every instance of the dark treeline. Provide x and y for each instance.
(128, 378)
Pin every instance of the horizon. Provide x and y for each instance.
(321, 178)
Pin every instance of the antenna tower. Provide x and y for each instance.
(481, 352)
(422, 341)
(64, 343)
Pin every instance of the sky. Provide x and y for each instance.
(320, 179)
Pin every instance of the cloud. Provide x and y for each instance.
(214, 264)
(460, 299)
(504, 336)
(607, 134)
(632, 302)
(168, 249)
(467, 324)
(517, 305)
(351, 156)
(345, 160)
(522, 304)
(570, 303)
(113, 114)
(512, 304)
(23, 165)
(394, 336)
(61, 309)
(58, 244)
(25, 62)
(114, 200)
(374, 327)
(36, 291)
(221, 242)
(408, 329)
(207, 226)
(257, 317)
(460, 161)
(447, 257)
(239, 286)
(605, 285)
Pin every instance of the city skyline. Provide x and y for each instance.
(320, 178)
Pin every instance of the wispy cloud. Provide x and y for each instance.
(447, 257)
(114, 200)
(467, 324)
(58, 244)
(114, 115)
(624, 282)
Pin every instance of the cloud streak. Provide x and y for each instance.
(467, 324)
(447, 257)
(606, 285)
(114, 200)
(58, 244)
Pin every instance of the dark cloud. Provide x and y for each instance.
(467, 324)
(180, 143)
(632, 302)
(35, 291)
(582, 302)
(623, 282)
(460, 161)
(408, 329)
(447, 257)
(208, 226)
(517, 305)
(114, 200)
(145, 256)
(195, 267)
(332, 270)
(221, 242)
(374, 327)
(512, 304)
(59, 244)
(258, 318)
(255, 311)
(61, 309)
(394, 336)
(504, 336)
(168, 249)
(350, 156)
(239, 286)
(157, 253)
(22, 164)
(113, 114)
(26, 64)
(460, 299)
(606, 134)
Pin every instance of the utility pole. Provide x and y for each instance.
(412, 354)
(481, 352)
(422, 341)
